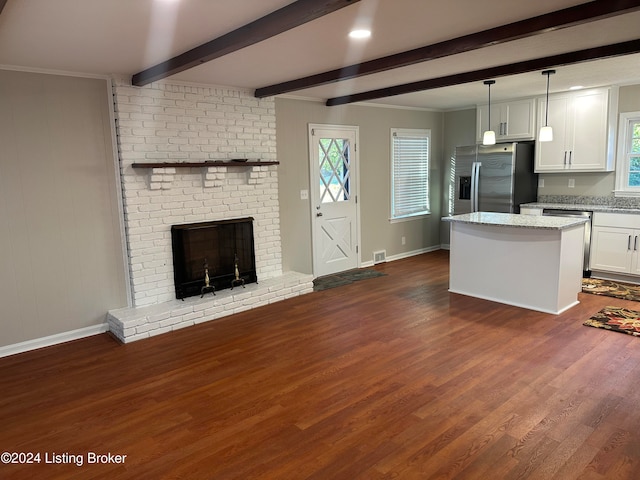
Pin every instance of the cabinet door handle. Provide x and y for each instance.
(570, 152)
(565, 157)
(505, 128)
(629, 243)
(635, 243)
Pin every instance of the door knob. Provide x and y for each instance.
(319, 214)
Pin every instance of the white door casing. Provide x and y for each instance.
(334, 199)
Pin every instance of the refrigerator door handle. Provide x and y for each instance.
(471, 192)
(474, 186)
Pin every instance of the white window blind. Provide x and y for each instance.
(410, 172)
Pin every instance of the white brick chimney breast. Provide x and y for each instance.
(165, 122)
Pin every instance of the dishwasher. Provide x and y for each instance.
(556, 212)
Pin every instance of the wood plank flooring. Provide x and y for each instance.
(387, 378)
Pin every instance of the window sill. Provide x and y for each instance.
(626, 193)
(408, 218)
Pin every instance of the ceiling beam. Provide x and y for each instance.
(607, 51)
(286, 18)
(568, 17)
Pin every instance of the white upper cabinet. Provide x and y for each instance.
(513, 120)
(582, 132)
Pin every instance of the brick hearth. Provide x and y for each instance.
(130, 324)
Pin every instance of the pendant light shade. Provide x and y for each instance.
(546, 132)
(489, 137)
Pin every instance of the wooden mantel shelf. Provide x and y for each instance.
(212, 163)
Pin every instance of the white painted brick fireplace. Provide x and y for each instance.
(165, 122)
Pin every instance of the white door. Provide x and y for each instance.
(334, 207)
(611, 249)
(589, 141)
(552, 155)
(519, 119)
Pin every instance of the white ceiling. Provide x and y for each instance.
(123, 37)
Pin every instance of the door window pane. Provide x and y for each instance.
(334, 161)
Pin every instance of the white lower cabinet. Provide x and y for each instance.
(615, 243)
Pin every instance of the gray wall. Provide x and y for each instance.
(459, 130)
(60, 247)
(377, 233)
(629, 99)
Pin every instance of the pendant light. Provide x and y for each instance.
(489, 137)
(546, 132)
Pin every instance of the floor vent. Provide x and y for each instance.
(379, 256)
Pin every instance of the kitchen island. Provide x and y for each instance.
(527, 261)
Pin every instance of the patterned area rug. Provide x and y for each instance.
(617, 320)
(344, 278)
(625, 291)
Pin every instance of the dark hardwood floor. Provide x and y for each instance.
(391, 377)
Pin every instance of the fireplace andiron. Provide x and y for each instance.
(237, 280)
(207, 286)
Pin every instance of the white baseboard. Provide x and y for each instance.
(52, 340)
(400, 256)
(616, 277)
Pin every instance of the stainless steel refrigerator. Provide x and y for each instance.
(494, 178)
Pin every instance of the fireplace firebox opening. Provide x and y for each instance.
(213, 256)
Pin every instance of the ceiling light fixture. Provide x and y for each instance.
(360, 33)
(546, 132)
(489, 137)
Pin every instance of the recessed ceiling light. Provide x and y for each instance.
(361, 33)
(576, 87)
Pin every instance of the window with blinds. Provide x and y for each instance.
(409, 172)
(628, 160)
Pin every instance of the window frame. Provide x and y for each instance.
(396, 133)
(625, 137)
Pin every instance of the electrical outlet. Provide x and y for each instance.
(572, 182)
(541, 183)
(304, 194)
(404, 240)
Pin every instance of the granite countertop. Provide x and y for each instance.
(583, 207)
(516, 220)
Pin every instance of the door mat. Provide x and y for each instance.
(625, 291)
(344, 278)
(617, 320)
